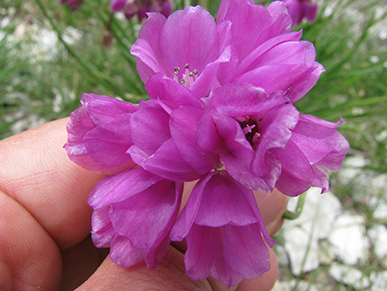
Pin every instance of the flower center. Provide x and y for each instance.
(250, 130)
(188, 77)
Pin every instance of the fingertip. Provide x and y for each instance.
(272, 206)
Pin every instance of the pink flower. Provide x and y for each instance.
(99, 138)
(141, 7)
(221, 111)
(302, 9)
(315, 147)
(133, 214)
(243, 124)
(224, 231)
(192, 49)
(265, 143)
(74, 4)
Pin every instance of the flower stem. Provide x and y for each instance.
(300, 205)
(105, 80)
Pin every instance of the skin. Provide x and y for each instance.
(45, 226)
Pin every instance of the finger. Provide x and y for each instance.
(37, 173)
(29, 258)
(79, 263)
(169, 275)
(272, 206)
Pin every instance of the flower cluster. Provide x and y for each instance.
(141, 7)
(73, 4)
(302, 9)
(221, 113)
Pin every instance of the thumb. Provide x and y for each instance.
(169, 275)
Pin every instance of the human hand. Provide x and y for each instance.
(45, 226)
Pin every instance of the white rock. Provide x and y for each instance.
(294, 285)
(349, 275)
(325, 253)
(319, 213)
(315, 223)
(378, 281)
(379, 208)
(378, 237)
(352, 168)
(282, 255)
(348, 239)
(302, 250)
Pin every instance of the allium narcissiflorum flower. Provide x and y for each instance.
(302, 9)
(74, 4)
(141, 7)
(221, 113)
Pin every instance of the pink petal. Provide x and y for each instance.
(224, 202)
(188, 36)
(146, 48)
(168, 163)
(102, 229)
(297, 174)
(184, 125)
(170, 92)
(145, 218)
(121, 186)
(247, 17)
(124, 254)
(150, 122)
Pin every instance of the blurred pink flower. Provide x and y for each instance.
(141, 7)
(302, 9)
(74, 4)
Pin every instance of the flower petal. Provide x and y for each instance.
(146, 218)
(170, 92)
(184, 124)
(124, 254)
(189, 36)
(98, 138)
(168, 163)
(146, 48)
(296, 172)
(224, 202)
(121, 186)
(150, 129)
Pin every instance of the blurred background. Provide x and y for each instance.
(50, 55)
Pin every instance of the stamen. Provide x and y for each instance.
(256, 137)
(248, 128)
(188, 78)
(175, 74)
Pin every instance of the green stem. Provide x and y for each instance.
(300, 205)
(105, 80)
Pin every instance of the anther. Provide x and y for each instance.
(182, 81)
(186, 66)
